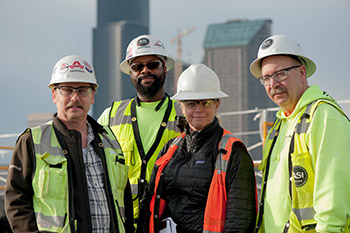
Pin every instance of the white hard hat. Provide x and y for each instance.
(145, 45)
(198, 82)
(281, 45)
(73, 69)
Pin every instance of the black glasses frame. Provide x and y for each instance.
(263, 79)
(137, 67)
(82, 91)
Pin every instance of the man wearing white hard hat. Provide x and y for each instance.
(204, 179)
(69, 175)
(306, 157)
(145, 123)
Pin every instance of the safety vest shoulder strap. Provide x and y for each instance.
(305, 119)
(48, 143)
(120, 112)
(265, 166)
(214, 215)
(157, 204)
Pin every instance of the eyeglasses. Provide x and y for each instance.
(137, 67)
(278, 76)
(82, 91)
(192, 104)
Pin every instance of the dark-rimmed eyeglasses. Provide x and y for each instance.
(137, 67)
(278, 76)
(192, 104)
(82, 91)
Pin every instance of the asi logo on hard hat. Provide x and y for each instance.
(267, 43)
(143, 42)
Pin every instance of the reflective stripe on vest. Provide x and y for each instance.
(214, 216)
(50, 181)
(117, 173)
(120, 114)
(265, 166)
(157, 204)
(120, 121)
(215, 209)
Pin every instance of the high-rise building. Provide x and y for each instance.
(118, 22)
(229, 49)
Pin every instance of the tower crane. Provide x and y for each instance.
(178, 62)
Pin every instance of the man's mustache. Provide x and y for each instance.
(75, 104)
(140, 78)
(277, 90)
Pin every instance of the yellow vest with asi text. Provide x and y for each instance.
(301, 217)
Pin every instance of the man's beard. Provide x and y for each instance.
(152, 90)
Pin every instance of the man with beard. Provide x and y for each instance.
(145, 123)
(306, 184)
(69, 174)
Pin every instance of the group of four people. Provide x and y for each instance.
(142, 166)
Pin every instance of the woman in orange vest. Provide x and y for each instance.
(204, 179)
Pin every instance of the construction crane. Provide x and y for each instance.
(178, 63)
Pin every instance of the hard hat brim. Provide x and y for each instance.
(255, 66)
(186, 95)
(52, 85)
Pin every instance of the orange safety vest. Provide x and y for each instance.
(214, 215)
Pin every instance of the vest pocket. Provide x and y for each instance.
(127, 146)
(303, 178)
(118, 172)
(51, 182)
(302, 191)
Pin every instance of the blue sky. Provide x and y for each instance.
(35, 34)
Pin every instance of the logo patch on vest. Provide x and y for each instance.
(300, 176)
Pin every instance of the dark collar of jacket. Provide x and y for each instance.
(96, 127)
(195, 140)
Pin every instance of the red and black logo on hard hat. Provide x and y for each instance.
(300, 176)
(267, 43)
(76, 67)
(64, 68)
(143, 42)
(159, 44)
(76, 64)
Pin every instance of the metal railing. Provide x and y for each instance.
(4, 169)
(260, 113)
